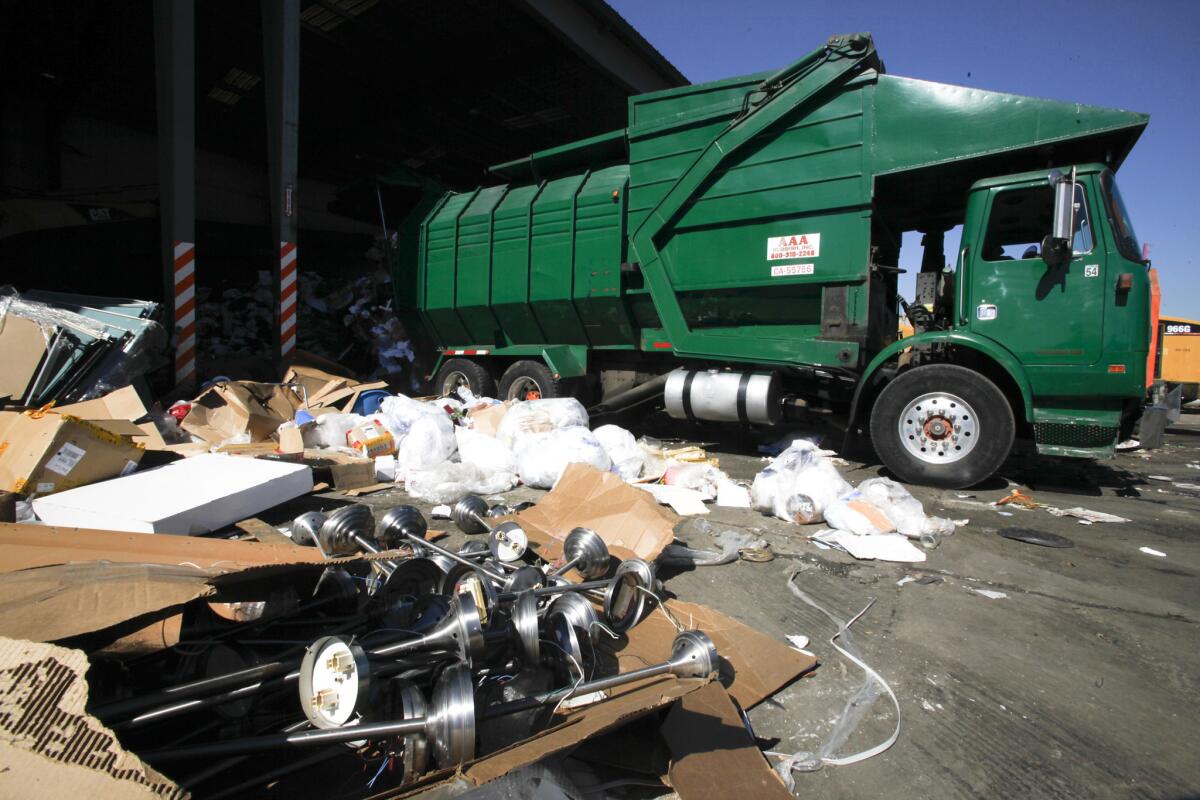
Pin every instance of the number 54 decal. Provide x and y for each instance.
(1091, 271)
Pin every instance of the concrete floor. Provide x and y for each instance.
(1080, 682)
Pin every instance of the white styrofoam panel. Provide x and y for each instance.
(200, 494)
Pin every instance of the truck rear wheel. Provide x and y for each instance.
(529, 380)
(942, 425)
(463, 372)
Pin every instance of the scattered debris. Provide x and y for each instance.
(1030, 536)
(1018, 499)
(1150, 551)
(1085, 515)
(880, 546)
(990, 594)
(66, 348)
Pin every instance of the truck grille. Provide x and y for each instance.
(1065, 435)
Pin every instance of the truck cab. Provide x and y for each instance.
(1076, 318)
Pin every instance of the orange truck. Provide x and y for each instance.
(1178, 356)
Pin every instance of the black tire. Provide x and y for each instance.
(456, 371)
(993, 427)
(525, 377)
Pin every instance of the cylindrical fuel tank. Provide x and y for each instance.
(723, 396)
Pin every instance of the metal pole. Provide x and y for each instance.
(281, 71)
(174, 53)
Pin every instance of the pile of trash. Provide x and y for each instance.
(353, 324)
(65, 348)
(876, 519)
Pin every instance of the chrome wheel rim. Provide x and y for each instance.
(522, 387)
(453, 382)
(939, 428)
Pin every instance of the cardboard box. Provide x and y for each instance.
(230, 409)
(339, 470)
(371, 439)
(46, 452)
(124, 403)
(195, 495)
(326, 390)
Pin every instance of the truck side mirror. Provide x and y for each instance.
(1056, 247)
(1064, 210)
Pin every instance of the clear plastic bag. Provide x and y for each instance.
(330, 430)
(703, 478)
(400, 412)
(447, 482)
(430, 441)
(540, 416)
(856, 513)
(627, 456)
(542, 457)
(485, 452)
(905, 511)
(798, 485)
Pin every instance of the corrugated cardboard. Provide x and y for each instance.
(47, 452)
(49, 745)
(22, 345)
(712, 752)
(326, 390)
(232, 408)
(487, 419)
(339, 470)
(201, 494)
(629, 521)
(52, 603)
(123, 404)
(28, 546)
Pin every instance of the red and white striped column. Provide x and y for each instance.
(185, 313)
(288, 286)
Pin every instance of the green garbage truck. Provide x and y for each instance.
(734, 253)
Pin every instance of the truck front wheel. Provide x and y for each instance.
(457, 373)
(942, 425)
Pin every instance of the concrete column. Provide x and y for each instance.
(281, 71)
(174, 52)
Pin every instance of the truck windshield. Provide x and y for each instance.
(1122, 227)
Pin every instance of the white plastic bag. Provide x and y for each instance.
(905, 511)
(447, 482)
(798, 484)
(542, 457)
(627, 456)
(703, 478)
(330, 430)
(856, 513)
(400, 412)
(430, 441)
(485, 452)
(540, 416)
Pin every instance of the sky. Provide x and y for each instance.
(1140, 56)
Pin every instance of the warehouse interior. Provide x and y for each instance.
(383, 104)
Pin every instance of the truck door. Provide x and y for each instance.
(1044, 315)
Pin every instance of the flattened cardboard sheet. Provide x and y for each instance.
(629, 520)
(49, 746)
(712, 752)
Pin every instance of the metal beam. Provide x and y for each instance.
(281, 72)
(602, 36)
(175, 82)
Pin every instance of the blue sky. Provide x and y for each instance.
(1142, 56)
